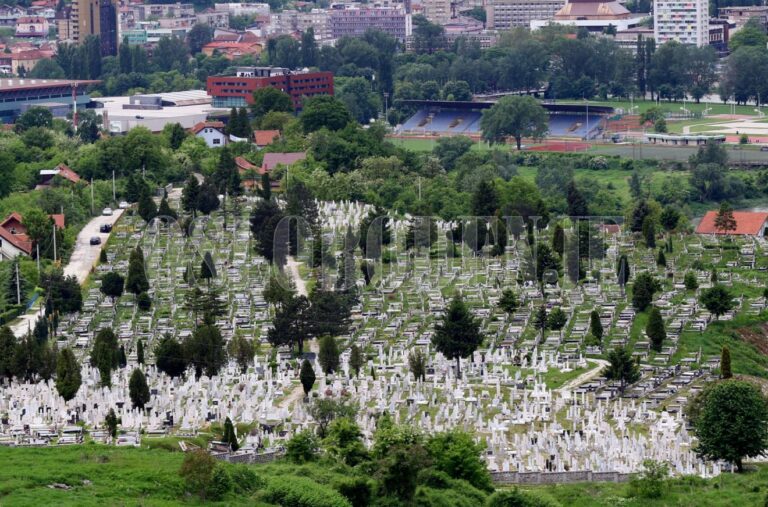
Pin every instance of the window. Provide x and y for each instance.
(217, 141)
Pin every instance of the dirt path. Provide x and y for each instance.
(301, 287)
(585, 377)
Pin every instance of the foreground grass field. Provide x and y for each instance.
(109, 476)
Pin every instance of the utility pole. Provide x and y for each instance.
(114, 195)
(37, 248)
(54, 242)
(91, 195)
(18, 285)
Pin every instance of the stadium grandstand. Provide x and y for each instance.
(439, 117)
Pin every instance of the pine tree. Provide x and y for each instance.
(241, 350)
(655, 329)
(111, 422)
(105, 354)
(649, 232)
(207, 268)
(230, 435)
(138, 389)
(558, 240)
(328, 355)
(190, 195)
(622, 367)
(622, 271)
(265, 189)
(122, 360)
(661, 259)
(508, 301)
(166, 211)
(457, 335)
(169, 357)
(140, 352)
(577, 205)
(691, 283)
(595, 326)
(136, 282)
(724, 220)
(246, 131)
(355, 359)
(147, 208)
(307, 376)
(208, 198)
(540, 320)
(68, 377)
(725, 363)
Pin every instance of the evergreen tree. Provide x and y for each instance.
(654, 329)
(169, 356)
(661, 259)
(622, 367)
(205, 350)
(508, 301)
(457, 335)
(68, 377)
(713, 275)
(540, 320)
(577, 205)
(724, 220)
(725, 363)
(208, 198)
(649, 232)
(246, 131)
(112, 285)
(417, 363)
(265, 188)
(558, 240)
(230, 435)
(165, 211)
(111, 422)
(241, 350)
(691, 283)
(485, 200)
(355, 359)
(499, 237)
(147, 208)
(140, 352)
(207, 268)
(105, 355)
(556, 319)
(595, 326)
(307, 376)
(136, 282)
(328, 355)
(122, 360)
(622, 271)
(190, 194)
(138, 389)
(717, 300)
(643, 290)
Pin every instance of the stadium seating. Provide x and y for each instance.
(573, 125)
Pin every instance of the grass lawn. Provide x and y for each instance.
(671, 107)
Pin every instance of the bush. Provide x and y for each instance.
(245, 480)
(302, 448)
(516, 498)
(293, 491)
(357, 490)
(197, 471)
(221, 483)
(650, 483)
(144, 302)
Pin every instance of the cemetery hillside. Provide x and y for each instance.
(250, 265)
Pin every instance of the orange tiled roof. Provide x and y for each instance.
(265, 137)
(208, 125)
(748, 223)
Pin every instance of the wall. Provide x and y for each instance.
(557, 477)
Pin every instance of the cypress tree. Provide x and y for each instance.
(595, 326)
(457, 335)
(230, 436)
(140, 352)
(661, 259)
(122, 361)
(307, 376)
(725, 363)
(355, 359)
(136, 282)
(68, 377)
(190, 194)
(105, 354)
(138, 389)
(328, 355)
(655, 329)
(147, 208)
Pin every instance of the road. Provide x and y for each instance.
(83, 258)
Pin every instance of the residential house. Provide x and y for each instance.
(212, 132)
(47, 176)
(272, 160)
(32, 26)
(14, 240)
(263, 138)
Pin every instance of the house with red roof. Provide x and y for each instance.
(262, 138)
(48, 176)
(14, 240)
(748, 223)
(213, 132)
(272, 160)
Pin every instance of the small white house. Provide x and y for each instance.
(212, 132)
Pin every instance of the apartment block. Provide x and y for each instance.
(684, 21)
(354, 22)
(508, 14)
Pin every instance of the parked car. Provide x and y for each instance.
(95, 240)
(123, 204)
(105, 228)
(107, 212)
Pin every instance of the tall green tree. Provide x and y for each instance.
(515, 117)
(732, 422)
(725, 363)
(622, 367)
(457, 334)
(136, 282)
(68, 378)
(654, 329)
(307, 376)
(717, 300)
(105, 355)
(328, 356)
(138, 388)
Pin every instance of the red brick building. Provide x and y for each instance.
(237, 90)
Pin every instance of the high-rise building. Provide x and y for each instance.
(354, 22)
(96, 17)
(684, 21)
(507, 14)
(439, 11)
